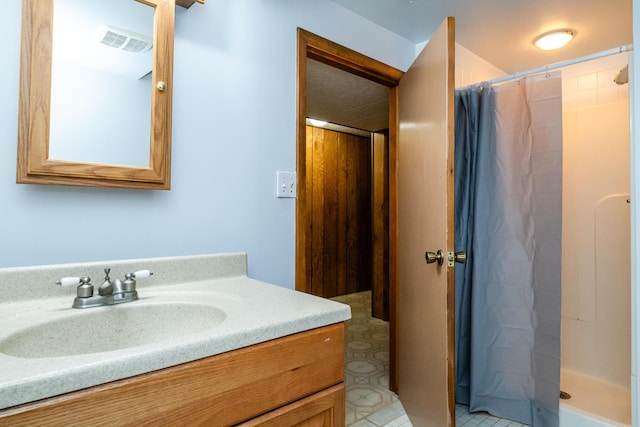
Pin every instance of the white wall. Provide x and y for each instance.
(596, 310)
(471, 69)
(233, 127)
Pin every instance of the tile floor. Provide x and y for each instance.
(370, 403)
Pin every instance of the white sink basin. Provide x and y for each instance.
(97, 330)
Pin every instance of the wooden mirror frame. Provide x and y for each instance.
(34, 165)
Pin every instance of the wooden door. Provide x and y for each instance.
(425, 223)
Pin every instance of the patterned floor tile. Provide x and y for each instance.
(369, 402)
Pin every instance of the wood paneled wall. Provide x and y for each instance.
(380, 225)
(339, 192)
(348, 193)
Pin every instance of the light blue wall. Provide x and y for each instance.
(233, 127)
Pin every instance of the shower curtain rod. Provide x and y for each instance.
(546, 68)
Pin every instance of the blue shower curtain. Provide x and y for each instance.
(508, 217)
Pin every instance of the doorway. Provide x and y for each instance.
(420, 213)
(316, 48)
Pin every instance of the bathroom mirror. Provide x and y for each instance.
(55, 140)
(100, 108)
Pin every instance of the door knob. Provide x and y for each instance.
(432, 257)
(452, 257)
(460, 256)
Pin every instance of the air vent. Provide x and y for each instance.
(125, 40)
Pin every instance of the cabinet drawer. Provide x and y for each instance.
(323, 409)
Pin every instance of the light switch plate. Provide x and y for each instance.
(285, 184)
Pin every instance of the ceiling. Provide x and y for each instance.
(499, 31)
(342, 98)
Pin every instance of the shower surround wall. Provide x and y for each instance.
(596, 290)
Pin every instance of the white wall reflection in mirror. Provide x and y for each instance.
(100, 94)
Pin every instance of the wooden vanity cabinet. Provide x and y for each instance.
(297, 380)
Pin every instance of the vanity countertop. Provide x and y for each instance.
(255, 312)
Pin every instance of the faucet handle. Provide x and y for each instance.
(85, 289)
(129, 283)
(142, 274)
(68, 281)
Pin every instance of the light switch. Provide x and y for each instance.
(285, 184)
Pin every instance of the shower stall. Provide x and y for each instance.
(596, 269)
(596, 282)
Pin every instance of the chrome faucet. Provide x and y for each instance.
(110, 292)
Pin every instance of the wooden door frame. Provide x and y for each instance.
(335, 55)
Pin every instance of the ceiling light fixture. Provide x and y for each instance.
(554, 39)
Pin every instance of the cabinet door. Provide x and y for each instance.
(323, 409)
